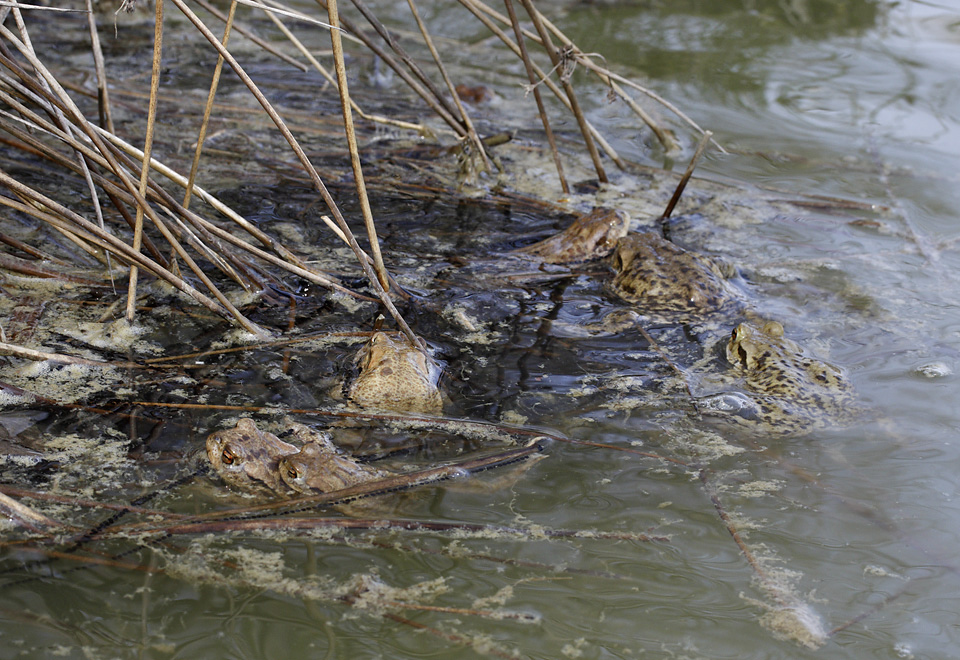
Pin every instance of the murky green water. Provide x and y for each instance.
(852, 530)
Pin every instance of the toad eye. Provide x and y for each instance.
(228, 457)
(293, 473)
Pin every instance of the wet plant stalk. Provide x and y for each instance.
(681, 186)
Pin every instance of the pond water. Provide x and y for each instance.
(836, 205)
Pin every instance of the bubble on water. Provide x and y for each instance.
(933, 370)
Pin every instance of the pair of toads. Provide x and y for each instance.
(392, 375)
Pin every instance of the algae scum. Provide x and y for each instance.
(649, 528)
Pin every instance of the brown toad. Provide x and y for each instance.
(248, 458)
(664, 280)
(320, 467)
(790, 393)
(396, 376)
(591, 236)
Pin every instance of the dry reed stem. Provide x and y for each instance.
(682, 184)
(277, 8)
(298, 268)
(605, 74)
(64, 217)
(64, 101)
(409, 62)
(548, 46)
(147, 148)
(471, 131)
(61, 121)
(216, 13)
(210, 199)
(113, 191)
(411, 82)
(377, 119)
(207, 110)
(341, 70)
(310, 170)
(531, 76)
(37, 123)
(7, 4)
(476, 8)
(103, 94)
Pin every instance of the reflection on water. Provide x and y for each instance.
(844, 537)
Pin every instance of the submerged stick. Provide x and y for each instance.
(25, 516)
(31, 354)
(383, 486)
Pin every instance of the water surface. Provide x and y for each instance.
(851, 530)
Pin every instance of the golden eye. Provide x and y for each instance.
(293, 473)
(228, 457)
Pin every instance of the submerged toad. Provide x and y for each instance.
(248, 458)
(320, 467)
(790, 392)
(591, 236)
(394, 375)
(259, 462)
(664, 280)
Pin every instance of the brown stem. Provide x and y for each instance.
(568, 88)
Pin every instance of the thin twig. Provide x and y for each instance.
(31, 354)
(252, 37)
(434, 103)
(377, 119)
(25, 516)
(103, 95)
